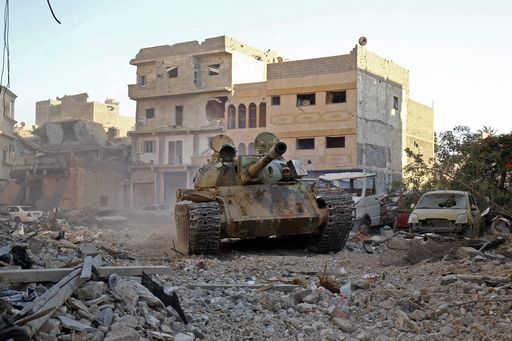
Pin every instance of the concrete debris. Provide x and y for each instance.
(437, 287)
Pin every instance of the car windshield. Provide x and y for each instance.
(442, 200)
(27, 208)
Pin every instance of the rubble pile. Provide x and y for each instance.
(61, 281)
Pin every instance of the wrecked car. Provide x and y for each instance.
(446, 211)
(24, 214)
(361, 186)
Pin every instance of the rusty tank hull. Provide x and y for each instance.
(245, 197)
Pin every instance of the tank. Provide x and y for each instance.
(246, 196)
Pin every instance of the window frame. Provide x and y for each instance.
(149, 143)
(149, 110)
(178, 113)
(330, 95)
(213, 69)
(143, 81)
(172, 72)
(275, 100)
(331, 138)
(305, 147)
(301, 98)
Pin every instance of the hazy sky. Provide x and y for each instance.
(459, 53)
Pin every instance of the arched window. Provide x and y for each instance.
(251, 149)
(241, 149)
(231, 117)
(252, 115)
(242, 116)
(263, 114)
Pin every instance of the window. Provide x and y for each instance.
(150, 113)
(305, 99)
(149, 146)
(142, 81)
(335, 142)
(103, 201)
(213, 70)
(275, 100)
(172, 72)
(308, 143)
(336, 97)
(252, 151)
(231, 117)
(263, 114)
(252, 115)
(241, 116)
(178, 115)
(395, 102)
(175, 156)
(241, 149)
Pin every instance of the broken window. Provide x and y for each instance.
(275, 100)
(307, 143)
(142, 81)
(335, 142)
(172, 72)
(252, 115)
(178, 119)
(150, 113)
(149, 146)
(213, 70)
(231, 117)
(175, 156)
(305, 100)
(263, 114)
(103, 201)
(395, 103)
(336, 97)
(242, 116)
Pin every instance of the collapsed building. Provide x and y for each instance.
(70, 164)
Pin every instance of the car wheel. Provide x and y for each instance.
(365, 226)
(17, 220)
(470, 232)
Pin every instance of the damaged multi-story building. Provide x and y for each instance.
(78, 107)
(350, 111)
(7, 121)
(70, 164)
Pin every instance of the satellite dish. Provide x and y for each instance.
(362, 41)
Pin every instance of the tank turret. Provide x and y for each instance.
(276, 152)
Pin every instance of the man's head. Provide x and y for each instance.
(285, 173)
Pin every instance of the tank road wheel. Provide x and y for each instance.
(340, 219)
(198, 227)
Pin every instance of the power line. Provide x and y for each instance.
(51, 10)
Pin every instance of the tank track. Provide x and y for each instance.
(204, 228)
(340, 211)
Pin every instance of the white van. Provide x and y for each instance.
(362, 187)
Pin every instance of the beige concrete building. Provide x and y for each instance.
(181, 91)
(7, 139)
(78, 107)
(341, 112)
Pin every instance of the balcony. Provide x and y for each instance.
(135, 91)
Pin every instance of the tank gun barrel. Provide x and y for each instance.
(277, 150)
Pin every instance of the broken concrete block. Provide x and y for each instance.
(465, 252)
(105, 316)
(398, 243)
(184, 337)
(121, 332)
(74, 325)
(92, 291)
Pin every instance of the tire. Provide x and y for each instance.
(366, 226)
(17, 220)
(470, 232)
